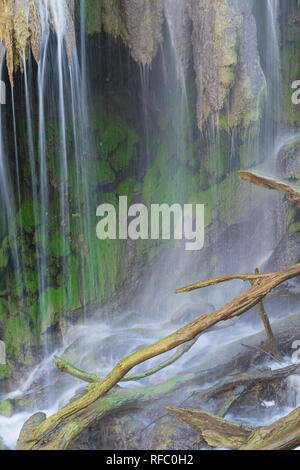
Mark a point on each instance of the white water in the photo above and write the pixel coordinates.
(72, 101)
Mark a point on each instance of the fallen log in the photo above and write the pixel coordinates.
(268, 182)
(137, 398)
(234, 397)
(283, 434)
(216, 431)
(239, 305)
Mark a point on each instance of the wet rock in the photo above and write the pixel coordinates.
(170, 434)
(116, 347)
(288, 161)
(286, 253)
(122, 432)
(6, 408)
(28, 427)
(144, 20)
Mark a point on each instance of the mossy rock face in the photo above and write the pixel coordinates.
(52, 303)
(28, 428)
(4, 252)
(290, 60)
(26, 217)
(294, 228)
(59, 246)
(170, 434)
(17, 334)
(6, 408)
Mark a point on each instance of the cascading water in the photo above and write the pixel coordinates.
(63, 138)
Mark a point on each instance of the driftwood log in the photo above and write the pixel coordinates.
(268, 182)
(262, 285)
(60, 429)
(137, 398)
(283, 434)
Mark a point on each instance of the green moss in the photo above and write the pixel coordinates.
(122, 156)
(16, 334)
(99, 173)
(6, 408)
(59, 246)
(3, 310)
(4, 371)
(52, 303)
(26, 216)
(294, 228)
(128, 187)
(290, 58)
(217, 161)
(73, 286)
(104, 15)
(4, 252)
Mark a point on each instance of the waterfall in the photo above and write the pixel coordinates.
(66, 99)
(8, 219)
(62, 161)
(272, 121)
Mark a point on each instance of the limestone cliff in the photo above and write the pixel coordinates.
(217, 36)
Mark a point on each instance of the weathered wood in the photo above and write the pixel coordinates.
(283, 434)
(216, 431)
(220, 280)
(236, 394)
(248, 380)
(265, 319)
(119, 401)
(236, 307)
(70, 369)
(268, 182)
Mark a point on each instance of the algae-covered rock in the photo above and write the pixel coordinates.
(6, 408)
(28, 428)
(169, 434)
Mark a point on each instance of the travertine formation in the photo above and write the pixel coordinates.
(217, 37)
(21, 25)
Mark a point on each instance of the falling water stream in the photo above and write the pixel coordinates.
(59, 93)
